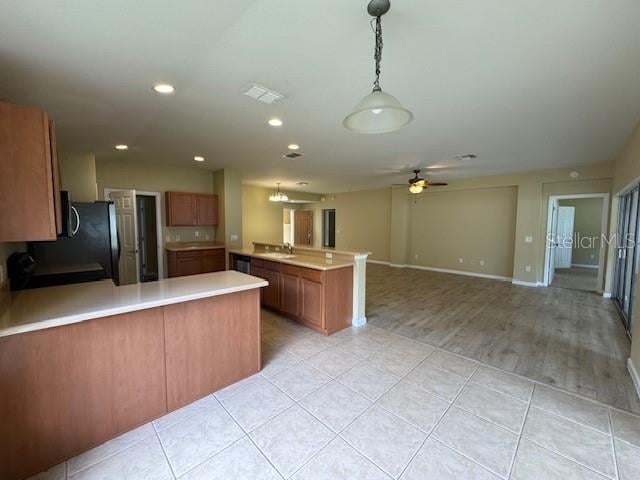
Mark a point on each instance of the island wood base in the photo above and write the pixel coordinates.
(67, 389)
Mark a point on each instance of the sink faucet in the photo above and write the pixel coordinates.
(289, 248)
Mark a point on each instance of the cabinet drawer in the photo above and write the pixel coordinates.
(312, 274)
(273, 266)
(189, 254)
(291, 270)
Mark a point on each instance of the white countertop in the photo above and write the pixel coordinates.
(39, 308)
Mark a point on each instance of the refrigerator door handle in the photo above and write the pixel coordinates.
(75, 211)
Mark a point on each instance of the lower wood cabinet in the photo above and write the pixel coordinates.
(67, 389)
(193, 262)
(319, 299)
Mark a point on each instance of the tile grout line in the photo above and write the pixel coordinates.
(166, 457)
(246, 435)
(435, 438)
(480, 362)
(613, 446)
(524, 421)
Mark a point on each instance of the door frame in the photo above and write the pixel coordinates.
(158, 197)
(603, 230)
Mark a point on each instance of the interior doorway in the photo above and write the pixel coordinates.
(303, 227)
(329, 228)
(288, 221)
(575, 246)
(137, 243)
(147, 238)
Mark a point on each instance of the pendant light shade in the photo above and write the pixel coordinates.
(378, 112)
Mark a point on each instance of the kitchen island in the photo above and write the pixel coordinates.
(323, 289)
(81, 364)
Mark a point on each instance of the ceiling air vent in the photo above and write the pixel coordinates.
(292, 155)
(262, 94)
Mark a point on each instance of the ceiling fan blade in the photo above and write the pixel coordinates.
(436, 184)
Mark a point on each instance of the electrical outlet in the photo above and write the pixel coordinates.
(267, 248)
(328, 255)
(527, 268)
(482, 263)
(461, 260)
(197, 233)
(528, 239)
(234, 237)
(415, 255)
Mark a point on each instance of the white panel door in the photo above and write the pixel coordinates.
(125, 202)
(566, 216)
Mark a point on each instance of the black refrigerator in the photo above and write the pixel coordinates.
(90, 253)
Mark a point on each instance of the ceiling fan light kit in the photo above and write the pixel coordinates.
(378, 112)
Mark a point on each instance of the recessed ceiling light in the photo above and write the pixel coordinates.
(574, 174)
(198, 158)
(275, 122)
(302, 184)
(164, 88)
(121, 147)
(294, 146)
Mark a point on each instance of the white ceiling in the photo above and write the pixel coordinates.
(523, 84)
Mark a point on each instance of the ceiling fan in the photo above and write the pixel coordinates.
(418, 184)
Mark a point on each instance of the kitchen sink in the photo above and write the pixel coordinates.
(277, 255)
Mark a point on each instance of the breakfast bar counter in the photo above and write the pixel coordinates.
(81, 364)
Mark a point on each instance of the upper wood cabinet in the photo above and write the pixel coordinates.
(29, 182)
(191, 209)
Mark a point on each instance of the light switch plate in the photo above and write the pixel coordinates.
(528, 239)
(234, 237)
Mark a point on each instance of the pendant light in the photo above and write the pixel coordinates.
(378, 112)
(278, 196)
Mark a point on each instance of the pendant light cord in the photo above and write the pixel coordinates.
(377, 54)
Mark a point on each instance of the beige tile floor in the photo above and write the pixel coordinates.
(367, 404)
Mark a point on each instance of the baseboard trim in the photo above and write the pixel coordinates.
(378, 262)
(607, 295)
(525, 284)
(634, 375)
(397, 265)
(584, 265)
(460, 272)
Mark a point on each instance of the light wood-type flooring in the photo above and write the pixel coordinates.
(571, 339)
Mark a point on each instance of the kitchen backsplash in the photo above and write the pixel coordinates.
(189, 234)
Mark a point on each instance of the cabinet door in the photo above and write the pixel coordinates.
(290, 294)
(207, 209)
(271, 295)
(213, 261)
(27, 206)
(55, 173)
(311, 295)
(188, 265)
(181, 209)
